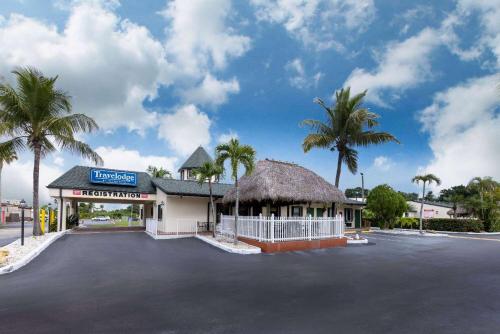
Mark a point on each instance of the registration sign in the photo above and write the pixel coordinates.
(115, 177)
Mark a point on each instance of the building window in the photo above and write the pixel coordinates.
(160, 212)
(310, 212)
(319, 212)
(348, 214)
(296, 211)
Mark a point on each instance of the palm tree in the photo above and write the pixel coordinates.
(482, 186)
(348, 125)
(428, 178)
(236, 154)
(206, 173)
(37, 116)
(160, 172)
(6, 157)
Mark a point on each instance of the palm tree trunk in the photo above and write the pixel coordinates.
(36, 178)
(237, 210)
(212, 205)
(339, 168)
(422, 208)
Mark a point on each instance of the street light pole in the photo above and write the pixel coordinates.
(22, 204)
(362, 199)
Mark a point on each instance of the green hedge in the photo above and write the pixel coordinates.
(455, 225)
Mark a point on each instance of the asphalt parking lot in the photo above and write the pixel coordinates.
(128, 282)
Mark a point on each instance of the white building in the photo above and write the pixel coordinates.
(430, 210)
(182, 206)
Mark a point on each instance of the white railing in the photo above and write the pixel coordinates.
(273, 229)
(152, 226)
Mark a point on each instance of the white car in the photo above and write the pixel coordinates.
(101, 218)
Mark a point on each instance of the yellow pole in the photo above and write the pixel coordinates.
(42, 220)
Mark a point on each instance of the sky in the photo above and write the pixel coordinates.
(163, 77)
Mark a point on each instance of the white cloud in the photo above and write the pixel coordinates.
(211, 91)
(185, 129)
(463, 123)
(489, 17)
(127, 159)
(382, 163)
(199, 43)
(315, 22)
(225, 137)
(17, 179)
(407, 64)
(298, 76)
(402, 65)
(108, 65)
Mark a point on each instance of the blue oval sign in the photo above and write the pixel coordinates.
(116, 177)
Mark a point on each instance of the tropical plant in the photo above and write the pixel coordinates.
(348, 125)
(386, 205)
(485, 200)
(159, 172)
(206, 173)
(6, 157)
(37, 116)
(425, 179)
(236, 154)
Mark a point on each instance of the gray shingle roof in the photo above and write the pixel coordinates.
(78, 178)
(198, 158)
(190, 188)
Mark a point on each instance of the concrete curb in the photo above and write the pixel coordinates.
(229, 249)
(31, 255)
(417, 234)
(357, 241)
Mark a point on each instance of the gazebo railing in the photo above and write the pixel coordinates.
(275, 229)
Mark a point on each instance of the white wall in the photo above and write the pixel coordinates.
(181, 213)
(430, 211)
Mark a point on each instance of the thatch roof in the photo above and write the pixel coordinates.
(278, 181)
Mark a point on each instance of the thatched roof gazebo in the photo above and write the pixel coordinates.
(283, 182)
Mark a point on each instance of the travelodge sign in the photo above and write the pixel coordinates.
(115, 177)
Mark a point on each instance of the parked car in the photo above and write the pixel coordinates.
(101, 218)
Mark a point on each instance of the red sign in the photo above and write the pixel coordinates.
(144, 195)
(77, 192)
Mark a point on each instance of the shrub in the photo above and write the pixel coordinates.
(495, 226)
(408, 222)
(386, 204)
(72, 221)
(455, 225)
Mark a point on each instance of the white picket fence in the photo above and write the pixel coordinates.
(152, 226)
(275, 229)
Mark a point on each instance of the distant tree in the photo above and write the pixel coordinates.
(347, 125)
(159, 172)
(386, 205)
(236, 154)
(430, 196)
(205, 174)
(485, 203)
(409, 196)
(355, 192)
(428, 178)
(445, 194)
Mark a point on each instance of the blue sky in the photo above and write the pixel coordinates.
(162, 77)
